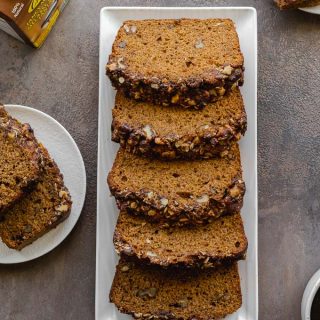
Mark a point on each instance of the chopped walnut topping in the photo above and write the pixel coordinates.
(62, 208)
(227, 70)
(199, 44)
(149, 132)
(203, 199)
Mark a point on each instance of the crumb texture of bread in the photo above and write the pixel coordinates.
(293, 4)
(220, 241)
(42, 209)
(177, 176)
(149, 292)
(20, 159)
(188, 62)
(175, 132)
(180, 192)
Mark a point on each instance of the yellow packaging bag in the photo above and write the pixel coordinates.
(30, 21)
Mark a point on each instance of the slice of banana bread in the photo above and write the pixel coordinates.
(20, 159)
(178, 191)
(292, 4)
(188, 62)
(173, 132)
(39, 211)
(223, 240)
(149, 292)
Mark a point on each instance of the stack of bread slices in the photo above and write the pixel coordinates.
(177, 177)
(33, 197)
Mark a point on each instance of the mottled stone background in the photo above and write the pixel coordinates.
(62, 80)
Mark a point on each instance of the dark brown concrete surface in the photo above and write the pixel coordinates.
(62, 80)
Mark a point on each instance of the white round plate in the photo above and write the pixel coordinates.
(308, 296)
(314, 10)
(65, 152)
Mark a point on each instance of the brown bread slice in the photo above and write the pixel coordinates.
(149, 292)
(173, 132)
(223, 240)
(292, 4)
(178, 191)
(188, 62)
(38, 212)
(20, 159)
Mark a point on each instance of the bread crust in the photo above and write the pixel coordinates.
(190, 93)
(139, 202)
(205, 143)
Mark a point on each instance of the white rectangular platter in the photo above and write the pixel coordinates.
(246, 23)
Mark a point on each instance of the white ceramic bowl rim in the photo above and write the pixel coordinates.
(314, 10)
(309, 294)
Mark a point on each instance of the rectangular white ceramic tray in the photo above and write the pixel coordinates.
(246, 23)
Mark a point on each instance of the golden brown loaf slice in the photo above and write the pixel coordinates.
(188, 62)
(178, 191)
(149, 292)
(174, 132)
(291, 4)
(20, 159)
(223, 240)
(39, 211)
